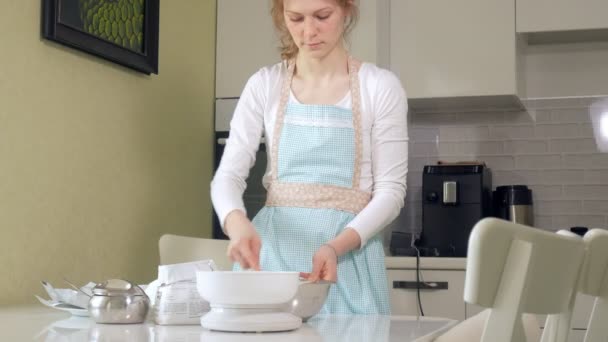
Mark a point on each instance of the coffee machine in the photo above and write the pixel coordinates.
(454, 198)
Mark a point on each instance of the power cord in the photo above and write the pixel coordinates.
(418, 275)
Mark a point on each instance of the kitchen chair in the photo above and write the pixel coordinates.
(514, 269)
(594, 282)
(176, 249)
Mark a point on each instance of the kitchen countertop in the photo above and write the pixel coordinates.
(427, 263)
(36, 323)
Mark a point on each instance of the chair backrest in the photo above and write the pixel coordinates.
(557, 325)
(594, 282)
(177, 249)
(514, 269)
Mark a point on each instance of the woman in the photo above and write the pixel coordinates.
(336, 134)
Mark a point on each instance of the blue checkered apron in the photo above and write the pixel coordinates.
(313, 196)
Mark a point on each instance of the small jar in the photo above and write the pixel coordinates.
(118, 301)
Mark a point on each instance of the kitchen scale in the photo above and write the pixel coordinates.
(249, 301)
(250, 318)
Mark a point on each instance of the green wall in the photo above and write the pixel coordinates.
(98, 161)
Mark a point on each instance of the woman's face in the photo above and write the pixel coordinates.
(316, 26)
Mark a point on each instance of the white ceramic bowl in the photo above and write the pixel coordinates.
(247, 288)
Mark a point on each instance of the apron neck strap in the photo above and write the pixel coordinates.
(353, 72)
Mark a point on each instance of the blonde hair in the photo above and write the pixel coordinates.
(288, 47)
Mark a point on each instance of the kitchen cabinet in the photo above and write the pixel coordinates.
(561, 15)
(566, 47)
(450, 54)
(246, 41)
(447, 303)
(445, 274)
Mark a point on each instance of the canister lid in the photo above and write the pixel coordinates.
(514, 194)
(117, 287)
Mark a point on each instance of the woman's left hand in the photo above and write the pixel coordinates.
(324, 265)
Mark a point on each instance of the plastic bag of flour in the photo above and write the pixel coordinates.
(177, 300)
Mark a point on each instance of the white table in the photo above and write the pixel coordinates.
(37, 323)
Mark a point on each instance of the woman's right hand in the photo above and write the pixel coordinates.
(245, 243)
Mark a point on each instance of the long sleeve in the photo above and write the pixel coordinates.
(389, 145)
(246, 129)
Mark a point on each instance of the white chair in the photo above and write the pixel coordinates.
(594, 282)
(176, 249)
(514, 269)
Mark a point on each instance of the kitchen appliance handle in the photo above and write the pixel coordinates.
(222, 141)
(423, 285)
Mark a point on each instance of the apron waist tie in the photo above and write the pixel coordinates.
(316, 196)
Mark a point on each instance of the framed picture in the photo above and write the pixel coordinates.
(121, 31)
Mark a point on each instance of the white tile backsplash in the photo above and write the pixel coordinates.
(590, 221)
(585, 130)
(538, 161)
(592, 192)
(556, 130)
(589, 161)
(572, 115)
(595, 207)
(559, 207)
(546, 192)
(509, 132)
(471, 148)
(550, 147)
(458, 133)
(510, 177)
(576, 145)
(422, 134)
(596, 177)
(526, 146)
(558, 177)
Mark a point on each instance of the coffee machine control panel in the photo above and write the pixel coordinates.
(450, 192)
(449, 195)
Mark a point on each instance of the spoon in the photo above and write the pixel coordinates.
(76, 287)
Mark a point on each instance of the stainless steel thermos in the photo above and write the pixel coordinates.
(514, 203)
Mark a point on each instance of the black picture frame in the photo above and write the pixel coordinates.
(142, 57)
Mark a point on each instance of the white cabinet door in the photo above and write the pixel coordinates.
(446, 303)
(454, 48)
(246, 41)
(369, 39)
(561, 15)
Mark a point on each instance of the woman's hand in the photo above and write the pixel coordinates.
(325, 260)
(245, 243)
(324, 265)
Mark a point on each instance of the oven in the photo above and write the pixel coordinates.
(255, 194)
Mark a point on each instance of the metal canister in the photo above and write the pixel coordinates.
(514, 203)
(118, 301)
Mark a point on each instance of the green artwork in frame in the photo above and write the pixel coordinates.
(122, 31)
(118, 21)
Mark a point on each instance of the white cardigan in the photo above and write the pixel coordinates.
(385, 144)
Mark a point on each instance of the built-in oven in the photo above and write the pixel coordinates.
(255, 194)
